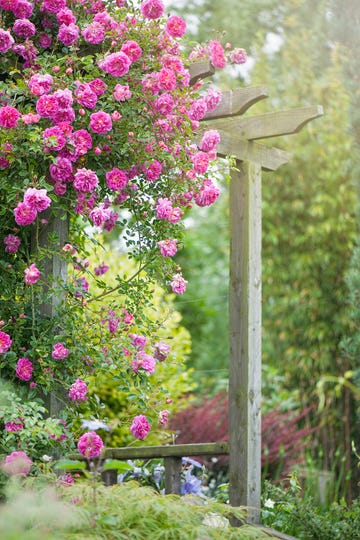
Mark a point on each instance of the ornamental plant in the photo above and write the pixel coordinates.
(97, 115)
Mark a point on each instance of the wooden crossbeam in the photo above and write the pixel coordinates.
(236, 102)
(269, 158)
(200, 70)
(272, 124)
(173, 450)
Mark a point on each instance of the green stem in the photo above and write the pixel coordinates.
(110, 291)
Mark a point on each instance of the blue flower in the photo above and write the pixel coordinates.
(192, 484)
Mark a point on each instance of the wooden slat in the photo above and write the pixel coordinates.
(269, 158)
(200, 70)
(176, 450)
(245, 339)
(236, 102)
(271, 124)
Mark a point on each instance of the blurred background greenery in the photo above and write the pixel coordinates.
(306, 53)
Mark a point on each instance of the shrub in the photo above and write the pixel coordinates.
(287, 509)
(283, 441)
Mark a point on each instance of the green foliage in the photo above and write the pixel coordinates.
(131, 511)
(31, 514)
(309, 232)
(309, 223)
(119, 389)
(286, 509)
(38, 434)
(122, 511)
(205, 308)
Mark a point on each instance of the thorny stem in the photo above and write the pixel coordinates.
(110, 291)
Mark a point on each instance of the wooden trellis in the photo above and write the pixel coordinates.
(238, 139)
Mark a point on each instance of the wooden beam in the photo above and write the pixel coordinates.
(235, 102)
(273, 124)
(245, 339)
(175, 450)
(200, 70)
(269, 158)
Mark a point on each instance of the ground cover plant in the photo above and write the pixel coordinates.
(287, 507)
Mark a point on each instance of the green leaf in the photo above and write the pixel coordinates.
(70, 465)
(116, 464)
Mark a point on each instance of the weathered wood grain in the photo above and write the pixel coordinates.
(269, 158)
(174, 450)
(55, 224)
(245, 339)
(173, 468)
(200, 70)
(236, 102)
(273, 124)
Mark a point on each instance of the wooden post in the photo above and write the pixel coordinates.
(173, 467)
(55, 268)
(245, 338)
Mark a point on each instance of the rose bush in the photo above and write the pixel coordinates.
(97, 115)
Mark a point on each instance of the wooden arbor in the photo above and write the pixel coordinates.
(238, 139)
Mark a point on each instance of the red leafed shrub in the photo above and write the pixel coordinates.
(283, 437)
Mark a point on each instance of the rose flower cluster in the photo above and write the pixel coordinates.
(97, 121)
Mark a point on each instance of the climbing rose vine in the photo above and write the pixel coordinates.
(97, 120)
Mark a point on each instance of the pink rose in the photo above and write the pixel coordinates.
(5, 342)
(24, 369)
(78, 391)
(37, 199)
(24, 28)
(59, 351)
(217, 55)
(85, 180)
(9, 117)
(100, 122)
(12, 243)
(90, 444)
(178, 284)
(140, 427)
(210, 140)
(6, 41)
(94, 33)
(208, 194)
(168, 247)
(24, 214)
(32, 274)
(116, 179)
(116, 64)
(152, 9)
(175, 26)
(17, 463)
(132, 50)
(201, 162)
